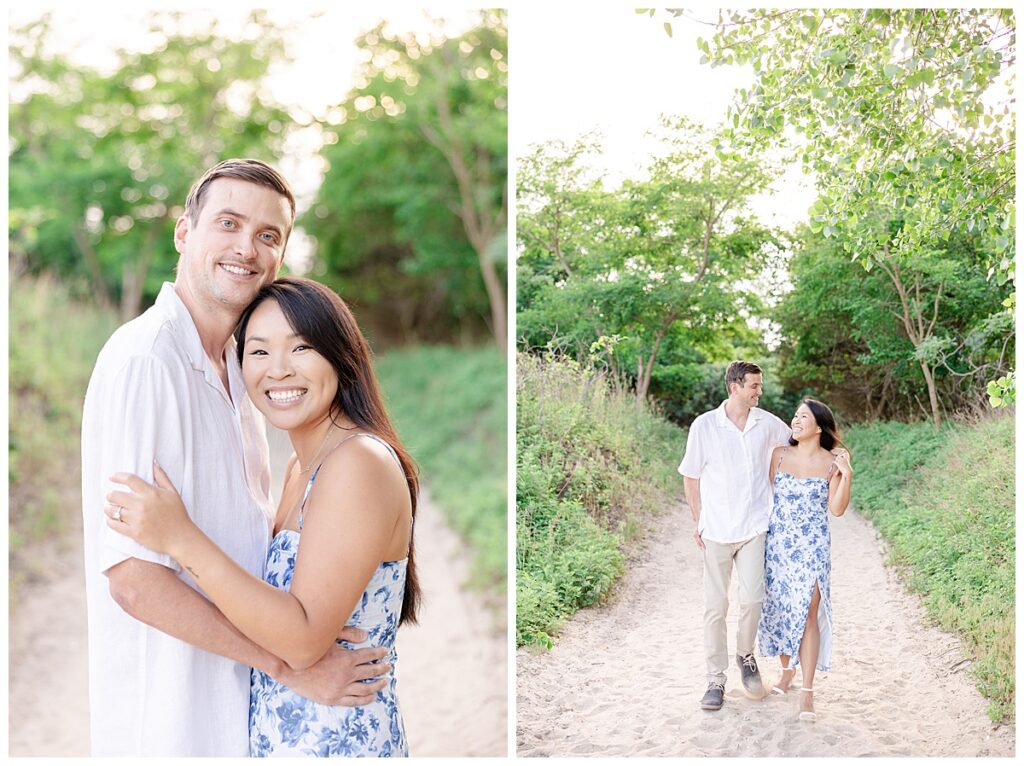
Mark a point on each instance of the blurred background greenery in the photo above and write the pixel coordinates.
(401, 185)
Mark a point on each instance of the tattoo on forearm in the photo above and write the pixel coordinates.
(192, 572)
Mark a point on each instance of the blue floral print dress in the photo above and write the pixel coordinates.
(797, 553)
(282, 723)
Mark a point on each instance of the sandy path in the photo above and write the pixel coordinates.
(626, 678)
(452, 667)
(48, 666)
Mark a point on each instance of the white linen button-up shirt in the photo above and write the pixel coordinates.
(732, 465)
(155, 394)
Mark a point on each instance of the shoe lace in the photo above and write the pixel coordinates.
(716, 686)
(750, 662)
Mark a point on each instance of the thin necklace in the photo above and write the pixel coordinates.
(307, 468)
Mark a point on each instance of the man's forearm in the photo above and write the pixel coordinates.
(153, 594)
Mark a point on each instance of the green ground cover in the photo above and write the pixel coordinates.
(944, 499)
(590, 467)
(53, 343)
(450, 407)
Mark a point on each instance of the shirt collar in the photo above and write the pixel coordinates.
(173, 308)
(723, 421)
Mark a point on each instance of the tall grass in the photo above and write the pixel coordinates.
(450, 408)
(590, 466)
(53, 344)
(945, 499)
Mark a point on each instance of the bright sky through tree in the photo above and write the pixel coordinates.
(615, 71)
(322, 44)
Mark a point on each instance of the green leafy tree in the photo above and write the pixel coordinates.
(556, 187)
(910, 111)
(100, 164)
(864, 340)
(414, 201)
(561, 206)
(659, 262)
(914, 106)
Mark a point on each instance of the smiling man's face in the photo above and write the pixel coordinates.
(749, 392)
(235, 245)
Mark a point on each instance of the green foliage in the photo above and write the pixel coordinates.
(54, 341)
(909, 110)
(589, 464)
(685, 391)
(945, 499)
(662, 264)
(906, 116)
(449, 405)
(100, 163)
(412, 211)
(1002, 392)
(844, 334)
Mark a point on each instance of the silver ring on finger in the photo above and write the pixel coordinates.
(116, 515)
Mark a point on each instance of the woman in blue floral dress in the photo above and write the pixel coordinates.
(811, 478)
(350, 500)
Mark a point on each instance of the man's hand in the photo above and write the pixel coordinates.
(697, 538)
(337, 677)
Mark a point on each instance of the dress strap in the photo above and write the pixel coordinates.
(312, 477)
(387, 446)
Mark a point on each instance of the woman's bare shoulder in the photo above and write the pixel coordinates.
(362, 466)
(824, 457)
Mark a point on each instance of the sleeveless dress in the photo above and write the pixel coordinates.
(282, 723)
(797, 553)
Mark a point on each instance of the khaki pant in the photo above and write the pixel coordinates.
(718, 561)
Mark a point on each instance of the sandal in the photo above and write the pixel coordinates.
(778, 689)
(807, 715)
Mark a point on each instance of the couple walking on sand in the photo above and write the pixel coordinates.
(760, 493)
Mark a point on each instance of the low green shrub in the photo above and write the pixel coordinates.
(944, 499)
(590, 462)
(687, 390)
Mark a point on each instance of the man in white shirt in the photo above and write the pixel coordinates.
(725, 477)
(169, 675)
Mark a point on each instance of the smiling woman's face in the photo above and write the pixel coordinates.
(290, 383)
(803, 424)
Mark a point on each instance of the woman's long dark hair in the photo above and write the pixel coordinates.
(323, 320)
(826, 422)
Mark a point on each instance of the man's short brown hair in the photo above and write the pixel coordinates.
(737, 371)
(253, 171)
